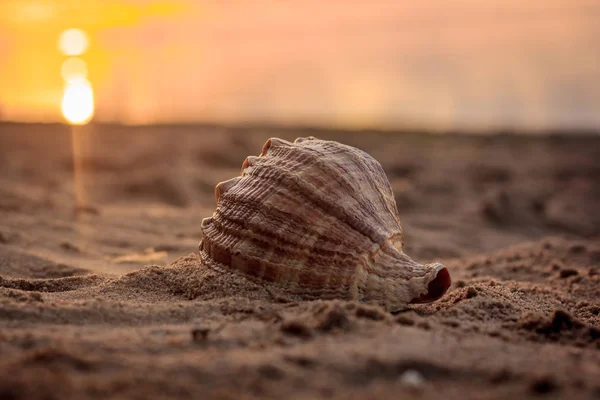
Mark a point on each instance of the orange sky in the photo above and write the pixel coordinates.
(383, 63)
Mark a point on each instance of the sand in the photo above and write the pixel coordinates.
(102, 294)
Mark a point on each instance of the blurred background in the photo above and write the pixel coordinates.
(180, 92)
(436, 65)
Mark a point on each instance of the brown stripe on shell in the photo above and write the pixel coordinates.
(343, 175)
(303, 282)
(258, 244)
(315, 194)
(244, 208)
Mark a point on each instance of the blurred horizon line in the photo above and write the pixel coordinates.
(314, 128)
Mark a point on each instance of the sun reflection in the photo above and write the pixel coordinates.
(73, 69)
(78, 102)
(73, 42)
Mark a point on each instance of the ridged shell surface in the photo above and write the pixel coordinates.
(317, 219)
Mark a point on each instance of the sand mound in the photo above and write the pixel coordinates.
(18, 264)
(185, 279)
(82, 315)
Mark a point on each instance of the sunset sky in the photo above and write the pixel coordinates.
(382, 63)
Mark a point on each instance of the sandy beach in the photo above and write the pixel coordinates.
(102, 294)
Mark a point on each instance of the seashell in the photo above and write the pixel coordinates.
(317, 219)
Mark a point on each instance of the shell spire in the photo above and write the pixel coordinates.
(317, 219)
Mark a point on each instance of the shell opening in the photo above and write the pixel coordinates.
(436, 288)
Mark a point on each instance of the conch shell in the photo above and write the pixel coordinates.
(317, 219)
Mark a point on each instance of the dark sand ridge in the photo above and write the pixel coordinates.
(513, 218)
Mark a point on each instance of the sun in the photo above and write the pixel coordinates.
(78, 102)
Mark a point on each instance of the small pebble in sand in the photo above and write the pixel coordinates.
(334, 318)
(86, 209)
(471, 292)
(555, 266)
(297, 328)
(405, 320)
(412, 378)
(424, 325)
(567, 272)
(544, 385)
(70, 247)
(200, 334)
(372, 313)
(577, 249)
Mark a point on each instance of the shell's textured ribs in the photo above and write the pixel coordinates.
(317, 219)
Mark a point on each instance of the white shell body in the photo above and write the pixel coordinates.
(317, 219)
